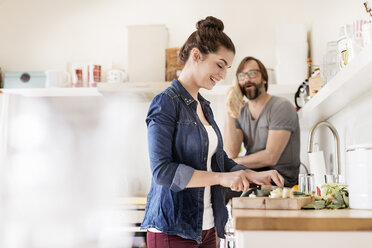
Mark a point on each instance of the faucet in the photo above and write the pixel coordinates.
(337, 142)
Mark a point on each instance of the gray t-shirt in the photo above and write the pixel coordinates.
(278, 114)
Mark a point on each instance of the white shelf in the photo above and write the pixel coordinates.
(150, 89)
(351, 82)
(143, 91)
(52, 92)
(146, 89)
(133, 87)
(274, 89)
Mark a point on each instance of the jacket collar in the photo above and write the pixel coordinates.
(185, 95)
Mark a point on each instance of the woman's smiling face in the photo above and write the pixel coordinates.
(212, 68)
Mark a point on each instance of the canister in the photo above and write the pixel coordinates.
(359, 175)
(24, 79)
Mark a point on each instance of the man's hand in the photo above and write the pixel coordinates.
(234, 99)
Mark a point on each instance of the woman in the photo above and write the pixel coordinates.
(185, 206)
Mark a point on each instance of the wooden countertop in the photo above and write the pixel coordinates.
(303, 220)
(132, 200)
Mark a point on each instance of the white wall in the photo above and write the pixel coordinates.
(353, 124)
(45, 34)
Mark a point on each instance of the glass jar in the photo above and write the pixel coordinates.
(367, 33)
(229, 240)
(330, 61)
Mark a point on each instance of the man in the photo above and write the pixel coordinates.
(268, 125)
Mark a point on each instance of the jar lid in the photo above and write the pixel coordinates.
(359, 147)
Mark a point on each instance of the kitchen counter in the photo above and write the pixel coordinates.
(303, 220)
(303, 228)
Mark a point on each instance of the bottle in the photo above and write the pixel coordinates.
(309, 67)
(229, 240)
(344, 51)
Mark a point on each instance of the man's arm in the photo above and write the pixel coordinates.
(232, 137)
(277, 140)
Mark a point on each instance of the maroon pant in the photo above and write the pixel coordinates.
(163, 240)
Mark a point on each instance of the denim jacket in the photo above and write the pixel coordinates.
(178, 145)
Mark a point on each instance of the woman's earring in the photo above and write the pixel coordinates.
(197, 57)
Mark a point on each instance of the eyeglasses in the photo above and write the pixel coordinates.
(251, 74)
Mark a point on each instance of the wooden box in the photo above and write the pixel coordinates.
(315, 85)
(173, 64)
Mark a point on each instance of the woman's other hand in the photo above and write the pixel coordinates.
(265, 177)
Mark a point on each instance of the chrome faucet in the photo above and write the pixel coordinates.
(337, 168)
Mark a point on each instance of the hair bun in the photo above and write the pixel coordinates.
(210, 22)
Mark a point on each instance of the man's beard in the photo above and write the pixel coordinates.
(252, 94)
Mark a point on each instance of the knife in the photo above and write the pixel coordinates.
(259, 190)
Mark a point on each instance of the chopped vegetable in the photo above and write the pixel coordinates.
(316, 205)
(298, 193)
(262, 192)
(295, 188)
(286, 193)
(334, 196)
(276, 193)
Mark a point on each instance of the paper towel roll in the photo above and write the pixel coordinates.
(291, 63)
(317, 167)
(291, 33)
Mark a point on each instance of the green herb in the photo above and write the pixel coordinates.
(298, 193)
(315, 205)
(334, 196)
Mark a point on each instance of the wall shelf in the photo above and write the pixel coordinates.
(145, 89)
(52, 92)
(274, 89)
(133, 87)
(148, 89)
(353, 81)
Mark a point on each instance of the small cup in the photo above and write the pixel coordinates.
(306, 183)
(94, 75)
(116, 76)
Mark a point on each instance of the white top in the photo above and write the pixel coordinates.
(208, 219)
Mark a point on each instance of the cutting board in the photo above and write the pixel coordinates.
(271, 203)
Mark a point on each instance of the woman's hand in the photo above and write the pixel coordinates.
(265, 177)
(237, 180)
